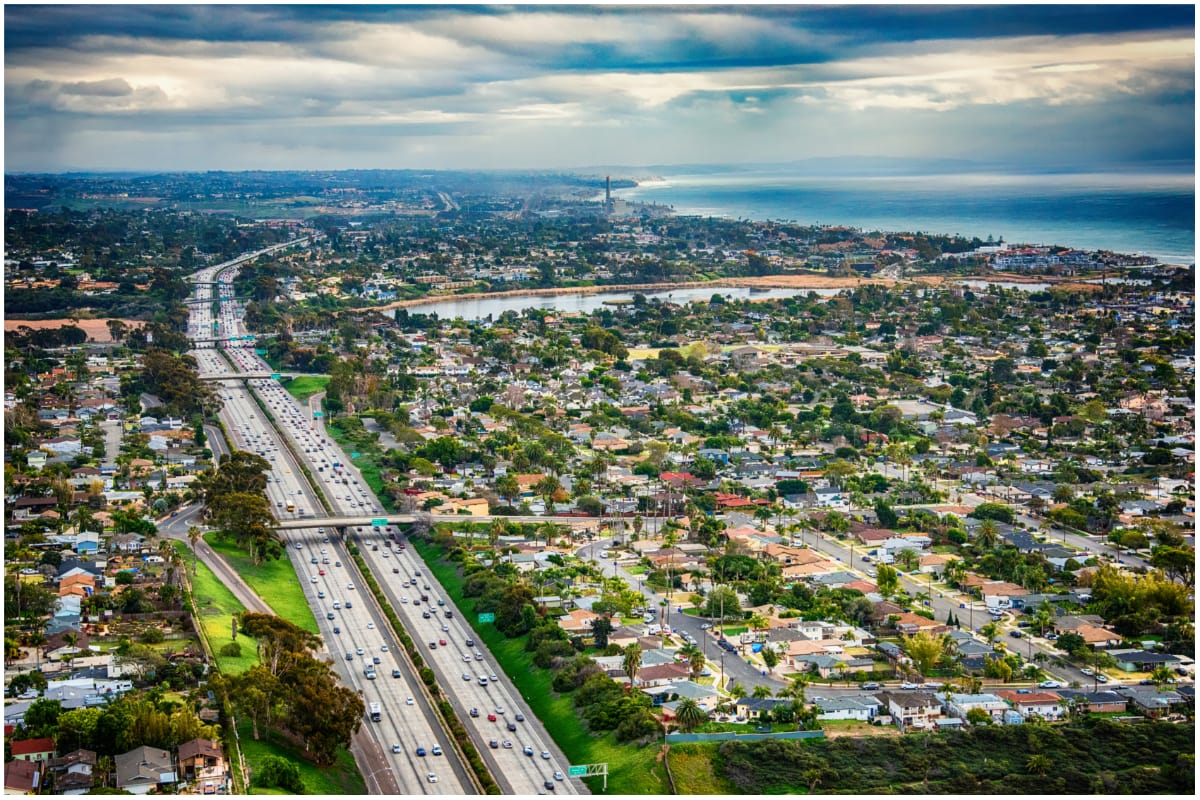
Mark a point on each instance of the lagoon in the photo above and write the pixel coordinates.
(467, 307)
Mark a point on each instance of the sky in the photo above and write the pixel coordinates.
(186, 87)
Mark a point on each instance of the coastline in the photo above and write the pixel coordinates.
(755, 282)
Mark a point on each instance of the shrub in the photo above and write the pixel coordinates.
(274, 771)
(231, 650)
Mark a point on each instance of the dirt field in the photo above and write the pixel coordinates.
(96, 329)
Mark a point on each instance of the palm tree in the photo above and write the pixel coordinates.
(1038, 764)
(631, 662)
(988, 534)
(761, 691)
(1161, 675)
(193, 536)
(1043, 617)
(36, 640)
(689, 715)
(695, 657)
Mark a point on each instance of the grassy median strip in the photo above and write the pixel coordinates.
(631, 769)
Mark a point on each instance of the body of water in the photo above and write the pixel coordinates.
(1151, 214)
(481, 307)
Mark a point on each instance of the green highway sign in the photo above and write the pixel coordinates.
(487, 616)
(354, 455)
(275, 376)
(260, 352)
(577, 772)
(317, 415)
(379, 521)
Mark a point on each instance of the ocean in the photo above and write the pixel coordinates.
(1151, 213)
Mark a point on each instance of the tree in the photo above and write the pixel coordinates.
(631, 662)
(761, 691)
(689, 715)
(925, 650)
(886, 516)
(977, 716)
(695, 659)
(909, 558)
(1038, 764)
(275, 772)
(601, 628)
(193, 536)
(887, 579)
(722, 603)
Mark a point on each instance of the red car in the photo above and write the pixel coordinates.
(442, 642)
(320, 572)
(491, 717)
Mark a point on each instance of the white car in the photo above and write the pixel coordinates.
(408, 701)
(1050, 685)
(432, 777)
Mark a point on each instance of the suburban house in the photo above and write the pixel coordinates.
(145, 768)
(72, 773)
(1098, 702)
(858, 708)
(32, 749)
(201, 761)
(912, 710)
(1046, 705)
(22, 777)
(958, 705)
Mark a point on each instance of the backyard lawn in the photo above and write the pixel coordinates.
(632, 770)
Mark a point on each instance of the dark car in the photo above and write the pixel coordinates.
(512, 726)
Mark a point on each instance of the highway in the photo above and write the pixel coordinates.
(533, 764)
(388, 749)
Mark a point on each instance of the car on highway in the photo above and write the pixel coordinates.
(527, 750)
(520, 717)
(431, 777)
(437, 750)
(408, 701)
(395, 673)
(491, 717)
(558, 776)
(421, 751)
(546, 755)
(507, 744)
(474, 712)
(548, 784)
(492, 743)
(395, 748)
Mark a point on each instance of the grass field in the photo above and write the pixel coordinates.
(692, 770)
(305, 386)
(340, 779)
(216, 606)
(274, 581)
(632, 770)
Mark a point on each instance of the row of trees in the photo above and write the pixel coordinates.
(291, 690)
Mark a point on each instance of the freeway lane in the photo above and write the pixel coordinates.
(385, 750)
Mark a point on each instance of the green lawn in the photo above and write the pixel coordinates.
(340, 779)
(632, 770)
(216, 606)
(305, 386)
(274, 581)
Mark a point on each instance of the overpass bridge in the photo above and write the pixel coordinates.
(245, 376)
(407, 519)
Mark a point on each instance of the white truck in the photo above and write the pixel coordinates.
(368, 669)
(376, 711)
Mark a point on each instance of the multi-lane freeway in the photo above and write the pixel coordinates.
(408, 752)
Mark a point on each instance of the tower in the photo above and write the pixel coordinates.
(607, 194)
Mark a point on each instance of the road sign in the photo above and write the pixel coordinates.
(577, 772)
(275, 376)
(354, 455)
(379, 522)
(260, 352)
(318, 414)
(488, 616)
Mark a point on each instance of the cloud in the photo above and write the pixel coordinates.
(534, 85)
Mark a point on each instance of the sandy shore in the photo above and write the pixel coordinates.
(96, 329)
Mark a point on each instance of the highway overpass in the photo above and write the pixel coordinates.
(408, 519)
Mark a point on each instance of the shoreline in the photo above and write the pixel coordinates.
(746, 282)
